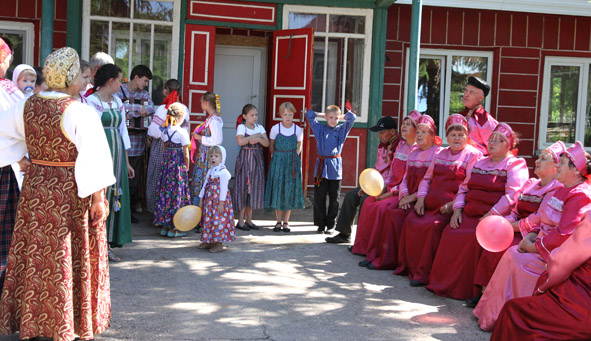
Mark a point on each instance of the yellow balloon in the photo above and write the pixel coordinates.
(371, 182)
(187, 218)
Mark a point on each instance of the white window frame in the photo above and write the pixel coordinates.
(29, 37)
(175, 24)
(367, 36)
(583, 64)
(446, 78)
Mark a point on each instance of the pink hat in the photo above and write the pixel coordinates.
(556, 149)
(456, 119)
(576, 155)
(428, 121)
(504, 130)
(414, 116)
(4, 50)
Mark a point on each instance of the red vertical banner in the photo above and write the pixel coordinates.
(198, 64)
(291, 80)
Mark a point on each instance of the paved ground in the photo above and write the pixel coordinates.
(268, 285)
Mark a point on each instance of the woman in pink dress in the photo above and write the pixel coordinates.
(530, 197)
(372, 205)
(491, 188)
(423, 226)
(557, 217)
(559, 309)
(382, 247)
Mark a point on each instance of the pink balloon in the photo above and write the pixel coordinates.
(494, 233)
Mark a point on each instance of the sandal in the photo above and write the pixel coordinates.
(112, 256)
(252, 226)
(286, 227)
(277, 227)
(204, 246)
(219, 247)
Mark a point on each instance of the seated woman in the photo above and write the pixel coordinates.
(371, 206)
(422, 228)
(559, 309)
(382, 247)
(490, 188)
(521, 265)
(530, 197)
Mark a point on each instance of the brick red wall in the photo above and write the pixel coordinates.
(519, 42)
(30, 11)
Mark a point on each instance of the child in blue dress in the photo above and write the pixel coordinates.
(284, 190)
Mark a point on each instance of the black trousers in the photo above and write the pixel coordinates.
(349, 209)
(324, 217)
(135, 184)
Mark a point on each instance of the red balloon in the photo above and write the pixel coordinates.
(494, 233)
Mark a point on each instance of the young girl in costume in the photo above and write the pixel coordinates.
(284, 190)
(217, 217)
(174, 180)
(24, 78)
(208, 134)
(249, 187)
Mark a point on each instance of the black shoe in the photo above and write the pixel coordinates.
(471, 303)
(364, 263)
(242, 227)
(371, 267)
(252, 226)
(286, 228)
(198, 229)
(328, 231)
(134, 220)
(339, 238)
(277, 227)
(417, 283)
(350, 248)
(320, 229)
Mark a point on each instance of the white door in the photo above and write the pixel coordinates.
(239, 79)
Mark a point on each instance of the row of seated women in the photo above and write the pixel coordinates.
(424, 225)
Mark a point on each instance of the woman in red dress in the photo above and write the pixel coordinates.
(423, 226)
(491, 188)
(561, 306)
(382, 247)
(372, 206)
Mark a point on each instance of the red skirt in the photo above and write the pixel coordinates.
(488, 263)
(454, 266)
(368, 220)
(382, 247)
(418, 244)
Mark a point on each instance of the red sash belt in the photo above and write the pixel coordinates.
(321, 166)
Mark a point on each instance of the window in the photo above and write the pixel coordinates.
(443, 75)
(566, 101)
(22, 37)
(135, 32)
(342, 50)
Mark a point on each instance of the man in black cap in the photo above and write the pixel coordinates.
(481, 123)
(389, 138)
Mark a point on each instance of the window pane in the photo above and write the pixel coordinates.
(429, 88)
(16, 38)
(335, 68)
(588, 113)
(562, 109)
(99, 37)
(347, 24)
(141, 44)
(301, 20)
(155, 10)
(461, 69)
(120, 48)
(354, 77)
(110, 8)
(318, 74)
(161, 60)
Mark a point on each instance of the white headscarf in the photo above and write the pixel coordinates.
(17, 71)
(214, 172)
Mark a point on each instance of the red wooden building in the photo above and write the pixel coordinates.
(535, 54)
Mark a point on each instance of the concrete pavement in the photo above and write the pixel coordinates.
(267, 285)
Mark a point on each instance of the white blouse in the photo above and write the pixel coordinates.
(225, 177)
(215, 124)
(94, 168)
(100, 106)
(159, 118)
(286, 131)
(181, 136)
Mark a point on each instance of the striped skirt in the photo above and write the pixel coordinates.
(249, 186)
(9, 194)
(154, 171)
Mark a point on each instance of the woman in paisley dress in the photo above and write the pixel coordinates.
(60, 207)
(109, 108)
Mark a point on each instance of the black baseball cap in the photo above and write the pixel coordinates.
(480, 84)
(386, 122)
